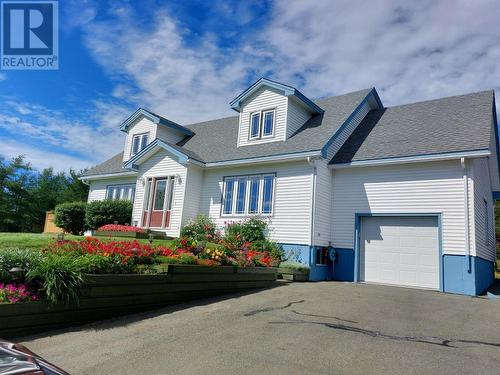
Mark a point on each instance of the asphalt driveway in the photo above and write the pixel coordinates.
(307, 328)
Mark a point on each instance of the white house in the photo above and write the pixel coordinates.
(404, 194)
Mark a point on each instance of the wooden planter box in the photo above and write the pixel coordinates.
(106, 296)
(294, 274)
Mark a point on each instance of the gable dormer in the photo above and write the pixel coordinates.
(144, 126)
(271, 112)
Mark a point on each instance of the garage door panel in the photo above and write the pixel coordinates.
(400, 250)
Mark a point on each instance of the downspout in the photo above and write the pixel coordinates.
(311, 162)
(463, 162)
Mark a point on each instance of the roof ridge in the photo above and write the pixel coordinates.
(490, 91)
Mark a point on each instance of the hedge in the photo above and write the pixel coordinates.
(70, 216)
(99, 213)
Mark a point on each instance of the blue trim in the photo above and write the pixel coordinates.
(131, 163)
(156, 119)
(335, 135)
(495, 127)
(343, 268)
(496, 195)
(458, 280)
(415, 157)
(357, 225)
(287, 91)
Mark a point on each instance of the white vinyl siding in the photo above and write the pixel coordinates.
(483, 222)
(436, 187)
(290, 221)
(162, 165)
(262, 100)
(297, 116)
(323, 199)
(194, 186)
(97, 188)
(353, 123)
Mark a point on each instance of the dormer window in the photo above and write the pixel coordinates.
(262, 124)
(139, 142)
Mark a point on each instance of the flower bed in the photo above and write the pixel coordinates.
(12, 293)
(105, 296)
(120, 228)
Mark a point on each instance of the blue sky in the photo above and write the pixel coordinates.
(187, 59)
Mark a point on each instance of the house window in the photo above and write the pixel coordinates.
(268, 126)
(139, 142)
(247, 195)
(322, 256)
(262, 124)
(255, 125)
(123, 191)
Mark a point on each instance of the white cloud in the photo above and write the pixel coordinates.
(95, 136)
(410, 51)
(41, 158)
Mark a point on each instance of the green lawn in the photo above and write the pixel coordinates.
(40, 240)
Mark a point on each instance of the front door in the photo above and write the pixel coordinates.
(158, 202)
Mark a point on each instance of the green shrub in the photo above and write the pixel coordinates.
(99, 213)
(100, 264)
(251, 230)
(59, 277)
(9, 258)
(294, 266)
(275, 250)
(70, 216)
(201, 229)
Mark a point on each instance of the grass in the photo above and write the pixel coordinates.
(40, 240)
(497, 270)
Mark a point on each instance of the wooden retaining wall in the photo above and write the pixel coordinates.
(106, 296)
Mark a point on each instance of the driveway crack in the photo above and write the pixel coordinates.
(267, 309)
(432, 340)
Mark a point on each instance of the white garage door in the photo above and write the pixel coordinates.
(400, 251)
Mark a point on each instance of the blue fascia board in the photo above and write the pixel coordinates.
(495, 126)
(131, 163)
(423, 156)
(155, 119)
(348, 120)
(287, 91)
(357, 237)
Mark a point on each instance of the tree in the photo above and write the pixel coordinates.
(16, 181)
(26, 194)
(76, 190)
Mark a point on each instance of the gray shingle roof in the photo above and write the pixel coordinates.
(113, 165)
(452, 124)
(216, 140)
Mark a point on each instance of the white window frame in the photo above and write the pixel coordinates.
(262, 114)
(251, 125)
(117, 190)
(141, 136)
(247, 180)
